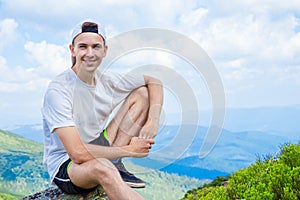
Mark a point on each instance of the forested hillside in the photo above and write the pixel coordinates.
(21, 169)
(274, 177)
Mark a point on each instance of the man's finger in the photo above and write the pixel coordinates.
(151, 141)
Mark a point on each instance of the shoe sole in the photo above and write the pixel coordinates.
(136, 185)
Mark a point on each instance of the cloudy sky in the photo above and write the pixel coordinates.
(254, 45)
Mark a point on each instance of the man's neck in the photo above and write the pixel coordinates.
(86, 76)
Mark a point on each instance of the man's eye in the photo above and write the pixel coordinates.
(98, 46)
(82, 46)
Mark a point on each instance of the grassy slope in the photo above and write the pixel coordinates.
(161, 185)
(22, 170)
(271, 177)
(11, 142)
(23, 173)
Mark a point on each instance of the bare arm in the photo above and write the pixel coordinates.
(155, 92)
(81, 152)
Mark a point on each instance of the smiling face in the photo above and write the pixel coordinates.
(89, 49)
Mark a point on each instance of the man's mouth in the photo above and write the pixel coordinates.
(88, 61)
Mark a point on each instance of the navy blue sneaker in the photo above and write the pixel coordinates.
(128, 177)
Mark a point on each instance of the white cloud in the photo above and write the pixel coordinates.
(19, 80)
(194, 18)
(29, 83)
(237, 71)
(235, 7)
(51, 59)
(253, 44)
(124, 15)
(10, 75)
(251, 28)
(21, 88)
(248, 36)
(8, 32)
(2, 63)
(287, 75)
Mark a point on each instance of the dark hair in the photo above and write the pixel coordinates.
(87, 27)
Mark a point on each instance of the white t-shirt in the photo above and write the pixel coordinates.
(71, 102)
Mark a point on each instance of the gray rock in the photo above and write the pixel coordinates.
(54, 193)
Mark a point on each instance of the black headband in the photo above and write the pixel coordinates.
(89, 29)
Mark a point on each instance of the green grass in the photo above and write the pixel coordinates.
(271, 177)
(10, 142)
(9, 196)
(22, 170)
(161, 185)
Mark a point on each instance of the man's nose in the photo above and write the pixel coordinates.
(89, 51)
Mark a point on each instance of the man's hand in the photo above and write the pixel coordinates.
(139, 147)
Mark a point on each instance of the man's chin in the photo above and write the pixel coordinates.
(91, 65)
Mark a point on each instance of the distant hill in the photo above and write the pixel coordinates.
(29, 131)
(276, 120)
(22, 172)
(283, 120)
(232, 151)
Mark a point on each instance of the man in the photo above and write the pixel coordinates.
(79, 150)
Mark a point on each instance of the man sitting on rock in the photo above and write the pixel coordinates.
(81, 152)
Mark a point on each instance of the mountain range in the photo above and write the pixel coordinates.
(253, 132)
(232, 151)
(280, 120)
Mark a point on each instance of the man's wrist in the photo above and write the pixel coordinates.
(126, 151)
(155, 110)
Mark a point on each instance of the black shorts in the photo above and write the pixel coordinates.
(62, 179)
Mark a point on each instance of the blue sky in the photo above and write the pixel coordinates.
(254, 44)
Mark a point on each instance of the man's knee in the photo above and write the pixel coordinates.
(105, 170)
(141, 94)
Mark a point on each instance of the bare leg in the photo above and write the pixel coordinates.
(102, 171)
(130, 118)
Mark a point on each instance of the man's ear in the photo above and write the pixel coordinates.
(71, 47)
(105, 50)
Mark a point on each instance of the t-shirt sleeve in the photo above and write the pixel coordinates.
(57, 109)
(119, 86)
(124, 83)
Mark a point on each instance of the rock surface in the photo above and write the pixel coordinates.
(54, 193)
